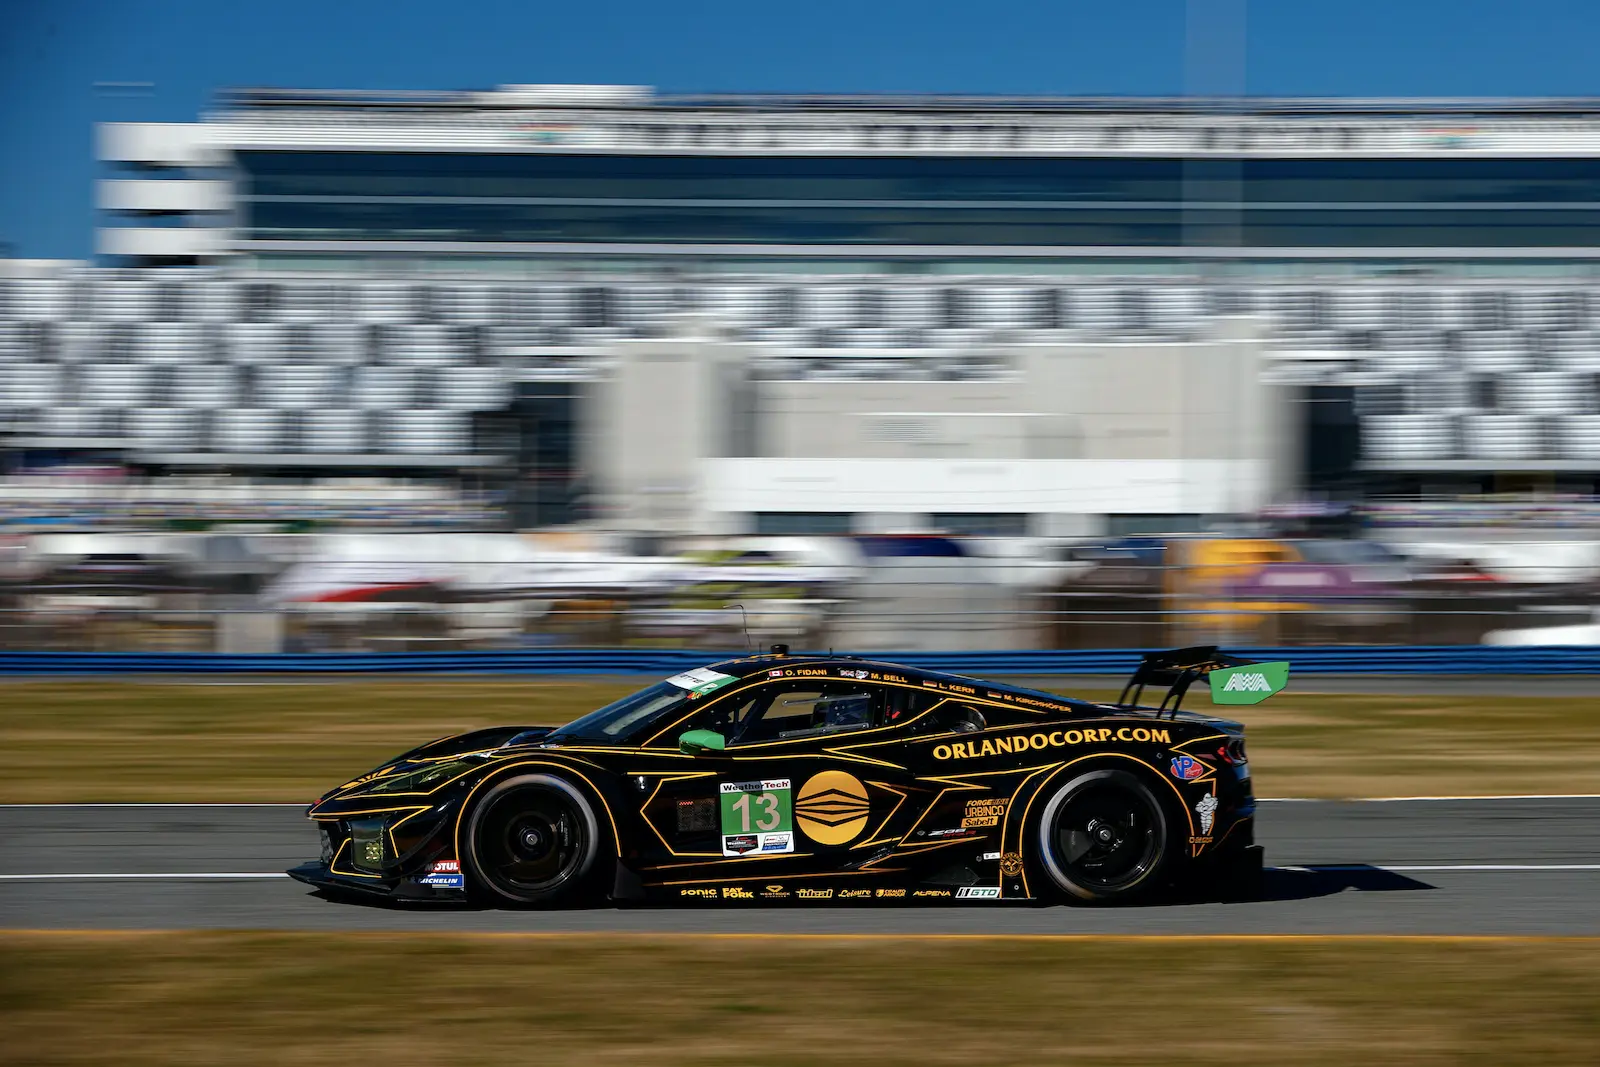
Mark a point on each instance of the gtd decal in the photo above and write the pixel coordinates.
(1053, 739)
(978, 892)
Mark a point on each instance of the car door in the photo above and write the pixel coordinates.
(776, 802)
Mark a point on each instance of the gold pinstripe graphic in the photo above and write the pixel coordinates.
(466, 803)
(1022, 826)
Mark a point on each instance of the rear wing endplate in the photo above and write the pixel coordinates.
(1234, 679)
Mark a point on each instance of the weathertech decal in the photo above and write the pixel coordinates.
(756, 815)
(1053, 739)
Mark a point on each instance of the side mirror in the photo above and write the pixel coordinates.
(699, 742)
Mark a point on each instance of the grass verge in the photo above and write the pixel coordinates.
(248, 999)
(122, 741)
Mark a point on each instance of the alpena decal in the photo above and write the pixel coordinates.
(992, 746)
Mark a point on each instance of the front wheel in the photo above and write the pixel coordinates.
(531, 840)
(1103, 836)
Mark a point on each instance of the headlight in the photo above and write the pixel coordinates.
(366, 843)
(421, 781)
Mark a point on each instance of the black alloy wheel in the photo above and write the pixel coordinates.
(1103, 836)
(532, 840)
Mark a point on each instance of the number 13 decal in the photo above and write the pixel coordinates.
(769, 818)
(757, 817)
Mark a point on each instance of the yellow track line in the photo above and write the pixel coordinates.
(597, 935)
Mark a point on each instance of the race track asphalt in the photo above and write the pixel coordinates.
(1482, 866)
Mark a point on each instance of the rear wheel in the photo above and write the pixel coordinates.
(1103, 836)
(532, 840)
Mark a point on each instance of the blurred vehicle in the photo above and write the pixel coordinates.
(817, 779)
(1153, 591)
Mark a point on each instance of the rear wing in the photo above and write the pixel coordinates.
(1234, 679)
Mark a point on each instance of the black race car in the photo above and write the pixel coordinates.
(818, 778)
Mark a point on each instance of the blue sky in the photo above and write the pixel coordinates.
(53, 52)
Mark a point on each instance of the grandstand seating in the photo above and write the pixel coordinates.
(228, 361)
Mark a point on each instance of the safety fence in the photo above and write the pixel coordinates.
(1351, 659)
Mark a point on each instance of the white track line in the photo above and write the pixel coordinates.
(143, 877)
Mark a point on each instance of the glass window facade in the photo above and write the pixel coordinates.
(922, 201)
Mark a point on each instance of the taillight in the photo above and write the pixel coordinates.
(1232, 752)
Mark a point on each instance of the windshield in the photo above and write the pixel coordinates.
(620, 718)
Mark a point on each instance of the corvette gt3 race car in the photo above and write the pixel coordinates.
(819, 778)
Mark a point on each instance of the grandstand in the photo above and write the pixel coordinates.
(447, 286)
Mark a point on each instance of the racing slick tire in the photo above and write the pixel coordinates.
(531, 841)
(1103, 837)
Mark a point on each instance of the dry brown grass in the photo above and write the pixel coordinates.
(256, 999)
(122, 741)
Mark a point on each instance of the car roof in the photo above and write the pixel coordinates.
(747, 666)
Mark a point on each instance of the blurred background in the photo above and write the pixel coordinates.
(535, 365)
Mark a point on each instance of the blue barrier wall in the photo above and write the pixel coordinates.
(1371, 659)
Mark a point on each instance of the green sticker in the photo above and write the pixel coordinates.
(1250, 684)
(757, 817)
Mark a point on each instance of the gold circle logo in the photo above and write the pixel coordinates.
(832, 808)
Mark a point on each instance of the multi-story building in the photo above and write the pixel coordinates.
(818, 313)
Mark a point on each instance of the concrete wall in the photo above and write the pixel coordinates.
(684, 440)
(891, 420)
(651, 425)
